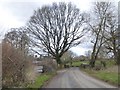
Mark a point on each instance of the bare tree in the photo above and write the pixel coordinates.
(118, 54)
(67, 56)
(13, 65)
(88, 54)
(102, 11)
(111, 35)
(18, 39)
(56, 28)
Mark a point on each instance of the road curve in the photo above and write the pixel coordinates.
(74, 78)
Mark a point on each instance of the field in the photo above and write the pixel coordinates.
(109, 63)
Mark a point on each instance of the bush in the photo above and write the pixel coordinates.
(14, 65)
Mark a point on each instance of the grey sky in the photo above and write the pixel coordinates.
(16, 13)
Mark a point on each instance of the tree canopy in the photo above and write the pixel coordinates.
(56, 28)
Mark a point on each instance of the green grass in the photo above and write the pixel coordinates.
(78, 63)
(40, 80)
(109, 77)
(109, 63)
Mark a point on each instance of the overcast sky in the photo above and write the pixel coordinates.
(16, 13)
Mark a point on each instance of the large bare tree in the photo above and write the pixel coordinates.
(56, 28)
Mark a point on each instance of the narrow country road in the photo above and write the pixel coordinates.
(74, 78)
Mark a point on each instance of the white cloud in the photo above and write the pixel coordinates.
(16, 13)
(80, 50)
(7, 19)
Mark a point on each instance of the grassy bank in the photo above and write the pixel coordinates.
(107, 76)
(41, 80)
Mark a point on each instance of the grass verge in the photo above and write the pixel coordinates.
(41, 80)
(110, 77)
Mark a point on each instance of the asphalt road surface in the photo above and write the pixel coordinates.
(74, 78)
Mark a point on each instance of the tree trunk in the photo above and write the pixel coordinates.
(58, 60)
(115, 57)
(115, 51)
(92, 61)
(118, 57)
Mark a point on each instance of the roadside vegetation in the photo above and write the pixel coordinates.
(18, 69)
(41, 80)
(105, 75)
